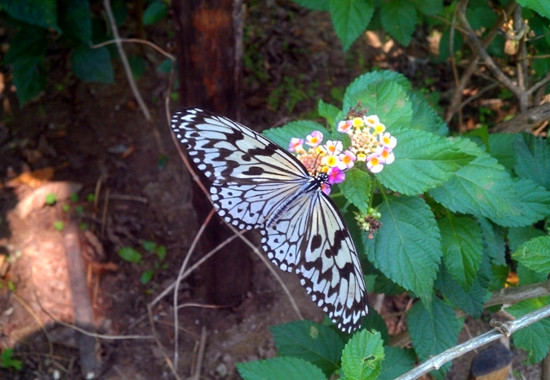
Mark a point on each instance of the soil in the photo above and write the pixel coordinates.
(132, 187)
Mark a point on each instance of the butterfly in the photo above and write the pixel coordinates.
(255, 184)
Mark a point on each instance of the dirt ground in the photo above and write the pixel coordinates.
(131, 186)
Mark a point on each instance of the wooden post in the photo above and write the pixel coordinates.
(209, 53)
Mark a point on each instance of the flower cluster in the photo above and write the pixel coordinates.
(369, 141)
(369, 221)
(329, 158)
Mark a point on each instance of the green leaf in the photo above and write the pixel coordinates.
(155, 12)
(432, 333)
(429, 7)
(59, 225)
(7, 360)
(397, 361)
(299, 129)
(356, 188)
(316, 5)
(480, 15)
(138, 66)
(422, 162)
(328, 111)
(147, 276)
(29, 78)
(50, 199)
(533, 202)
(471, 301)
(518, 236)
(29, 42)
(42, 13)
(407, 248)
(533, 338)
(129, 254)
(382, 93)
(350, 19)
(278, 369)
(425, 118)
(533, 159)
(493, 241)
(93, 65)
(148, 245)
(540, 6)
(482, 187)
(315, 343)
(75, 20)
(535, 254)
(462, 248)
(501, 146)
(399, 18)
(161, 252)
(362, 356)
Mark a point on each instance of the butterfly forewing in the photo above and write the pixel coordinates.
(257, 184)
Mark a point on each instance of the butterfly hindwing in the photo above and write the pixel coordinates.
(311, 239)
(257, 184)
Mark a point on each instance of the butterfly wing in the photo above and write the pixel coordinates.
(257, 184)
(251, 177)
(312, 236)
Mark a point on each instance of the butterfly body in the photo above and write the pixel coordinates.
(255, 184)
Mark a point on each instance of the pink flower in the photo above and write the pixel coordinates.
(295, 144)
(347, 160)
(387, 140)
(335, 175)
(314, 139)
(345, 126)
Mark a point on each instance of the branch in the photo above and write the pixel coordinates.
(525, 120)
(124, 59)
(505, 329)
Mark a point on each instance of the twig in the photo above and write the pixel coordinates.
(519, 293)
(124, 59)
(200, 355)
(178, 280)
(136, 41)
(506, 329)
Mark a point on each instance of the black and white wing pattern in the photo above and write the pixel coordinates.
(255, 184)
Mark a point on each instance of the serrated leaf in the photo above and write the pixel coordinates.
(397, 361)
(518, 236)
(407, 248)
(381, 93)
(278, 369)
(362, 356)
(328, 111)
(533, 202)
(482, 187)
(156, 11)
(356, 188)
(375, 322)
(462, 248)
(315, 343)
(501, 146)
(533, 159)
(422, 162)
(432, 333)
(533, 338)
(42, 13)
(493, 241)
(471, 302)
(75, 20)
(535, 254)
(425, 118)
(350, 19)
(399, 18)
(93, 65)
(299, 129)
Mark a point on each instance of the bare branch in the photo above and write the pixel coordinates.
(507, 328)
